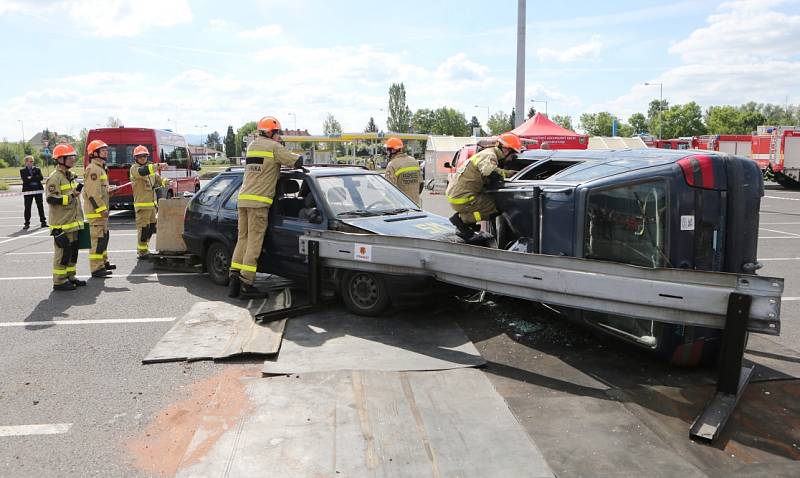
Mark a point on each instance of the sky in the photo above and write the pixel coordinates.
(203, 65)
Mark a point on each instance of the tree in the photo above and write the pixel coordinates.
(563, 121)
(331, 125)
(423, 121)
(450, 122)
(723, 120)
(682, 120)
(230, 143)
(512, 120)
(371, 126)
(474, 123)
(399, 119)
(531, 112)
(241, 135)
(656, 106)
(80, 147)
(598, 124)
(638, 122)
(113, 122)
(498, 123)
(625, 130)
(213, 140)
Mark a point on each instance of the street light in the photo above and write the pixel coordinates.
(660, 104)
(22, 126)
(487, 115)
(294, 116)
(201, 133)
(545, 105)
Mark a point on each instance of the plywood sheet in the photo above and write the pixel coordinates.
(169, 234)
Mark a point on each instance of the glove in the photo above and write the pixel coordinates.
(495, 181)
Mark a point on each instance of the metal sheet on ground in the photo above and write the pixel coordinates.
(773, 361)
(216, 330)
(372, 424)
(338, 340)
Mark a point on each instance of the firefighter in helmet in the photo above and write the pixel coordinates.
(95, 197)
(144, 179)
(403, 171)
(466, 192)
(65, 217)
(265, 155)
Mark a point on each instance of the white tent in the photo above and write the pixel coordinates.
(616, 142)
(440, 150)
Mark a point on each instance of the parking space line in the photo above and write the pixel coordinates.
(779, 232)
(154, 275)
(779, 259)
(779, 237)
(785, 199)
(87, 321)
(26, 235)
(51, 252)
(789, 299)
(780, 223)
(44, 429)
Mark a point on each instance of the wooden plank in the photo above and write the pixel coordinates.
(169, 235)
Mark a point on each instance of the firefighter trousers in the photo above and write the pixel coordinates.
(65, 259)
(98, 254)
(477, 210)
(145, 228)
(252, 229)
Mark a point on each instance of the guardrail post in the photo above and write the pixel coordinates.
(732, 376)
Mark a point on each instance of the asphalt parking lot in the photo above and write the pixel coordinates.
(76, 400)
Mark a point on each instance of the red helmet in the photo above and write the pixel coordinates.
(140, 150)
(63, 150)
(511, 141)
(94, 146)
(394, 143)
(269, 124)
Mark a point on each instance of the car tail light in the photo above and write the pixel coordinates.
(698, 171)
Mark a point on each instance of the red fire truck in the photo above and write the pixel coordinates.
(735, 144)
(164, 146)
(687, 142)
(780, 147)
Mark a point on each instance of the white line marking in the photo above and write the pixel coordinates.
(26, 235)
(780, 223)
(780, 259)
(778, 237)
(789, 299)
(155, 275)
(87, 322)
(779, 232)
(23, 430)
(785, 199)
(13, 217)
(51, 252)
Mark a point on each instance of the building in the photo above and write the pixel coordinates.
(201, 153)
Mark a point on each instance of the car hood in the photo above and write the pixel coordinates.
(420, 225)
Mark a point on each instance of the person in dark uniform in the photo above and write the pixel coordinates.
(31, 182)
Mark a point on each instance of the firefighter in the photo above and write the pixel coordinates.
(95, 197)
(403, 171)
(144, 179)
(65, 216)
(466, 192)
(265, 155)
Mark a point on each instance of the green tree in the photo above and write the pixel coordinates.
(371, 126)
(498, 123)
(723, 120)
(399, 120)
(80, 146)
(423, 121)
(331, 125)
(213, 140)
(563, 121)
(625, 130)
(682, 120)
(450, 122)
(474, 123)
(241, 135)
(638, 122)
(531, 112)
(512, 120)
(230, 143)
(598, 124)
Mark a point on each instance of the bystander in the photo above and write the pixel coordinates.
(32, 188)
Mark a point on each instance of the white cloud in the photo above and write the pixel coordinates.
(460, 68)
(108, 18)
(267, 31)
(218, 24)
(582, 51)
(746, 52)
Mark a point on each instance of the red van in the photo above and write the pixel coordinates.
(164, 146)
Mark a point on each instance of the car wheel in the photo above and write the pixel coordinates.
(364, 293)
(218, 263)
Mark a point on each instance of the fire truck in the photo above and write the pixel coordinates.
(777, 150)
(735, 144)
(684, 142)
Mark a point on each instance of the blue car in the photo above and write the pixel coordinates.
(346, 199)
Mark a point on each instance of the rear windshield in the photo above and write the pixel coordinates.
(545, 169)
(594, 170)
(121, 155)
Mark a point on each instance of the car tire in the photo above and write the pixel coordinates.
(364, 293)
(218, 263)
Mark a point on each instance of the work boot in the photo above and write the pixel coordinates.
(44, 224)
(101, 273)
(26, 227)
(248, 291)
(143, 257)
(464, 231)
(77, 282)
(65, 286)
(110, 267)
(234, 284)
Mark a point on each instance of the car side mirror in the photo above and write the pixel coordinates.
(447, 165)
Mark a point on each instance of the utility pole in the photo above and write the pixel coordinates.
(294, 116)
(520, 103)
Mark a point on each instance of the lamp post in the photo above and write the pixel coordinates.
(22, 145)
(201, 133)
(294, 116)
(660, 104)
(545, 105)
(487, 114)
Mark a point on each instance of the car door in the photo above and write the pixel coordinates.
(227, 226)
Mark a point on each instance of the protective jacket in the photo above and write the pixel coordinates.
(95, 190)
(262, 168)
(144, 179)
(65, 209)
(404, 172)
(471, 177)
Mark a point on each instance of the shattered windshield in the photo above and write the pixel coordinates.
(363, 195)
